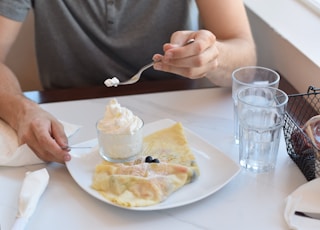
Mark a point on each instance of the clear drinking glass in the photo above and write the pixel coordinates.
(250, 76)
(261, 113)
(119, 148)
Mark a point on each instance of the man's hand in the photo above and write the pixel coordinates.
(192, 61)
(44, 135)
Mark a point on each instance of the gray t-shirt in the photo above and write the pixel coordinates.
(82, 42)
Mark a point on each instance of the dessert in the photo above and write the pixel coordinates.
(119, 133)
(112, 82)
(165, 165)
(170, 145)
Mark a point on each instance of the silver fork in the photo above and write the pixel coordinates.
(115, 81)
(74, 147)
(137, 76)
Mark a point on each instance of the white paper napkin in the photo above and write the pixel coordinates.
(11, 154)
(32, 188)
(306, 198)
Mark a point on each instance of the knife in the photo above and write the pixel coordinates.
(313, 215)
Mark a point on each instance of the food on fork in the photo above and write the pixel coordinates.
(112, 82)
(145, 182)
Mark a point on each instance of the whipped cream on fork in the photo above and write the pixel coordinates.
(110, 82)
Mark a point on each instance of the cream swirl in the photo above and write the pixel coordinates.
(119, 120)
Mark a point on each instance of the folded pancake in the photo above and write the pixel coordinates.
(137, 184)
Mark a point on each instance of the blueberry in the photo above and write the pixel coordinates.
(148, 159)
(155, 160)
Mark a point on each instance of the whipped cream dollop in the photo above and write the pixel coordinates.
(119, 120)
(110, 82)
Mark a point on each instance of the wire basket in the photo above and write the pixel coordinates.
(300, 108)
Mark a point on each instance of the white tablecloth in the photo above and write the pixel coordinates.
(249, 201)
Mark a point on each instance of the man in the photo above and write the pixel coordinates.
(82, 42)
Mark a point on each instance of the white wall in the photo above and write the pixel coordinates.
(287, 35)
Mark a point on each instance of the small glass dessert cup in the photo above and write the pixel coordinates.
(119, 148)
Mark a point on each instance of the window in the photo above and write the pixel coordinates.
(299, 25)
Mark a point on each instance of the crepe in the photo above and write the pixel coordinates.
(139, 183)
